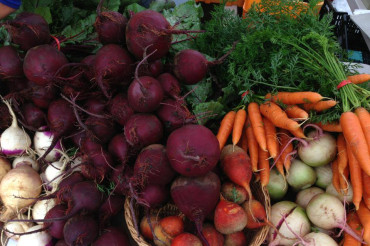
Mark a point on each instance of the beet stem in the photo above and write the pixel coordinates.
(73, 102)
(142, 87)
(222, 58)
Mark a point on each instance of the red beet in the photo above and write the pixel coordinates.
(41, 64)
(119, 148)
(170, 85)
(121, 177)
(143, 129)
(99, 164)
(152, 69)
(193, 150)
(33, 116)
(29, 30)
(113, 66)
(153, 196)
(89, 69)
(120, 109)
(103, 129)
(55, 228)
(236, 239)
(10, 63)
(145, 94)
(214, 238)
(196, 197)
(112, 236)
(152, 166)
(95, 105)
(110, 207)
(81, 230)
(41, 96)
(61, 243)
(65, 186)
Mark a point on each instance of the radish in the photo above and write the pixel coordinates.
(196, 197)
(300, 175)
(110, 26)
(193, 150)
(324, 176)
(305, 196)
(18, 184)
(317, 238)
(150, 29)
(320, 151)
(343, 197)
(327, 211)
(81, 230)
(112, 236)
(42, 63)
(42, 140)
(39, 237)
(14, 140)
(277, 186)
(4, 167)
(120, 109)
(28, 30)
(290, 220)
(10, 63)
(41, 207)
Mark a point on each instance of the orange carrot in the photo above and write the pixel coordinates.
(243, 143)
(364, 215)
(280, 119)
(330, 127)
(343, 181)
(280, 166)
(295, 97)
(264, 167)
(293, 111)
(335, 179)
(226, 126)
(271, 138)
(239, 122)
(356, 178)
(342, 162)
(257, 125)
(354, 223)
(364, 118)
(319, 106)
(285, 136)
(252, 145)
(359, 78)
(366, 189)
(355, 138)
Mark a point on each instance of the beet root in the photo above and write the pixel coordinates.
(55, 228)
(170, 85)
(10, 63)
(86, 197)
(190, 66)
(110, 26)
(119, 148)
(33, 116)
(103, 129)
(193, 150)
(81, 230)
(110, 207)
(120, 109)
(112, 236)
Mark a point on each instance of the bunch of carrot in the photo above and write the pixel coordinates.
(265, 130)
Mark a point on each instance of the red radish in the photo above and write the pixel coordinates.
(234, 193)
(193, 150)
(145, 227)
(186, 239)
(110, 26)
(213, 237)
(28, 30)
(41, 64)
(119, 148)
(120, 109)
(190, 66)
(236, 239)
(167, 229)
(10, 63)
(170, 85)
(113, 66)
(55, 228)
(103, 129)
(112, 236)
(150, 28)
(174, 114)
(236, 164)
(81, 230)
(153, 167)
(110, 207)
(42, 96)
(33, 116)
(229, 217)
(143, 129)
(256, 214)
(196, 197)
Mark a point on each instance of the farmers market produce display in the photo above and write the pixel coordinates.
(125, 125)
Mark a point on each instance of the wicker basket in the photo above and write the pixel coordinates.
(255, 237)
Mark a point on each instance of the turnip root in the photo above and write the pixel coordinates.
(26, 160)
(41, 207)
(317, 238)
(301, 175)
(4, 167)
(305, 196)
(17, 227)
(229, 217)
(343, 197)
(18, 184)
(277, 186)
(193, 150)
(42, 141)
(324, 176)
(35, 239)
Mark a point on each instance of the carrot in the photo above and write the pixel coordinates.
(295, 97)
(280, 166)
(284, 140)
(364, 215)
(239, 121)
(319, 106)
(354, 223)
(264, 167)
(252, 145)
(271, 138)
(343, 181)
(366, 189)
(359, 78)
(226, 126)
(330, 127)
(257, 125)
(355, 138)
(280, 119)
(243, 143)
(293, 111)
(356, 178)
(342, 162)
(364, 118)
(335, 179)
